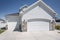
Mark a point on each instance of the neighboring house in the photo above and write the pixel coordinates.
(37, 17)
(2, 23)
(57, 21)
(12, 20)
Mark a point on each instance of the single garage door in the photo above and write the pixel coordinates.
(11, 25)
(37, 26)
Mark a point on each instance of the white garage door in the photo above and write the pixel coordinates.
(11, 25)
(38, 26)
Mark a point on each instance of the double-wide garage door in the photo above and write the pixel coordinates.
(37, 26)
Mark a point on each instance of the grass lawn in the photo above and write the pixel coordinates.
(1, 31)
(57, 27)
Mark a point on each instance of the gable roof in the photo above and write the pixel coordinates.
(40, 2)
(13, 14)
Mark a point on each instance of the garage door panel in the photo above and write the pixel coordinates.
(37, 26)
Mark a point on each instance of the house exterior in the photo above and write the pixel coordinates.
(2, 23)
(34, 18)
(12, 20)
(37, 17)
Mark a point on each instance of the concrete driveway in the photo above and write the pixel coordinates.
(42, 35)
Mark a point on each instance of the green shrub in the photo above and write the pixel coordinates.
(1, 31)
(57, 27)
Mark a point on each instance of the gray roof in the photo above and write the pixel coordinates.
(2, 20)
(13, 14)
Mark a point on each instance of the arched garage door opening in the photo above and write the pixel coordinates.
(34, 25)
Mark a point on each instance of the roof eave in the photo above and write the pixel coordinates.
(49, 7)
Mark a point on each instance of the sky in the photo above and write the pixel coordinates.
(12, 6)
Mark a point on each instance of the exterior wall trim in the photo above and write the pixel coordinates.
(45, 20)
(37, 19)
